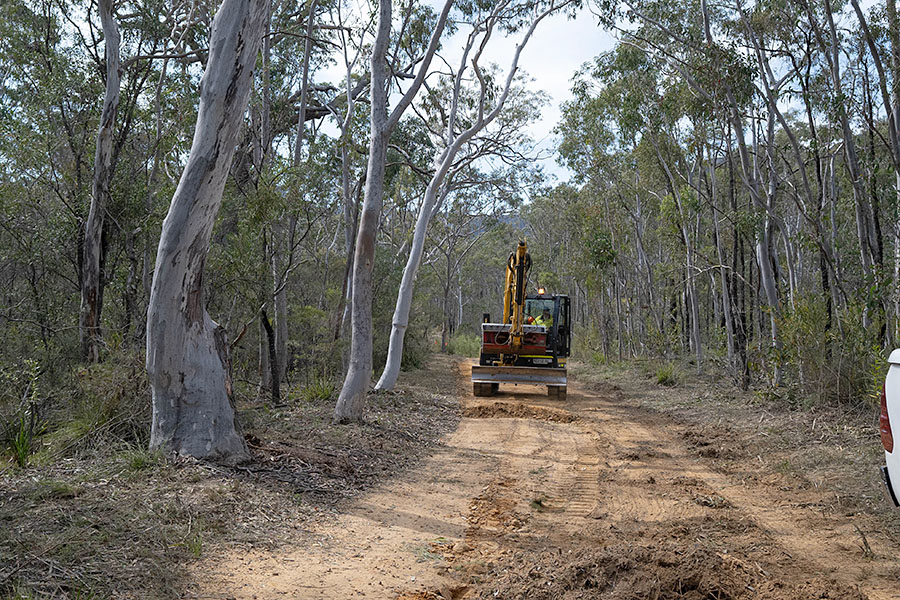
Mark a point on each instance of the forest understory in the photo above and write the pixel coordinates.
(222, 222)
(628, 489)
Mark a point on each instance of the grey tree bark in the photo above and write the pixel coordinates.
(152, 179)
(454, 141)
(187, 356)
(351, 402)
(832, 56)
(720, 255)
(92, 259)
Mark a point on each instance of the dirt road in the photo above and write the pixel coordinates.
(593, 497)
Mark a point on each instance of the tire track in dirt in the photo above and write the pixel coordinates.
(658, 478)
(774, 519)
(638, 491)
(593, 497)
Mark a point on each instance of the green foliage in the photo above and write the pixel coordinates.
(464, 344)
(112, 404)
(415, 350)
(840, 362)
(549, 280)
(21, 429)
(194, 541)
(18, 593)
(319, 389)
(140, 458)
(20, 436)
(587, 347)
(56, 490)
(312, 350)
(600, 247)
(667, 374)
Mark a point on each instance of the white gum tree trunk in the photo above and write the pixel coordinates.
(351, 402)
(187, 356)
(435, 192)
(91, 265)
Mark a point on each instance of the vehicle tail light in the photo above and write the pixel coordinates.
(887, 438)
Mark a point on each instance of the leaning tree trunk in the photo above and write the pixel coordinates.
(92, 260)
(400, 321)
(433, 197)
(187, 356)
(352, 400)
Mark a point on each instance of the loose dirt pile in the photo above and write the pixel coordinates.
(625, 572)
(518, 411)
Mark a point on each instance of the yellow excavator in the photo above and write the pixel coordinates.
(531, 344)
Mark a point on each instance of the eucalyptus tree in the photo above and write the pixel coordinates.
(457, 230)
(456, 131)
(146, 41)
(628, 103)
(351, 402)
(48, 100)
(91, 291)
(760, 120)
(352, 32)
(62, 79)
(885, 54)
(274, 119)
(187, 355)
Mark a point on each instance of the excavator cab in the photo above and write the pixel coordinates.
(545, 344)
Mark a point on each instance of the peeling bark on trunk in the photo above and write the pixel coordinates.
(351, 402)
(187, 355)
(92, 254)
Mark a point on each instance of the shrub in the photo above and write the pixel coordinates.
(112, 403)
(667, 374)
(842, 363)
(587, 346)
(319, 389)
(415, 347)
(24, 425)
(464, 344)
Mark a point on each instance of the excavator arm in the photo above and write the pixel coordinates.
(517, 267)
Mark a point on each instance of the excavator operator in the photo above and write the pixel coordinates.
(545, 320)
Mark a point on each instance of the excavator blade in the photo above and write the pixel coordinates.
(548, 376)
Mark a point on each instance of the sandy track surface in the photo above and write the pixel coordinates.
(592, 497)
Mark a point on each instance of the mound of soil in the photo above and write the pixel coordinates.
(518, 411)
(627, 572)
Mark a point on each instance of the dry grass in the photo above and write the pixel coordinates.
(99, 517)
(821, 445)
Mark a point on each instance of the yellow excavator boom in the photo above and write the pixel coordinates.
(517, 267)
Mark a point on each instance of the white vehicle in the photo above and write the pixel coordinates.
(890, 407)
